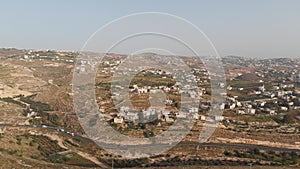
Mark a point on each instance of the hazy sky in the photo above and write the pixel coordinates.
(258, 28)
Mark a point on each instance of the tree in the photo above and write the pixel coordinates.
(227, 153)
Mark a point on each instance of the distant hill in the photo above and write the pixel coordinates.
(8, 52)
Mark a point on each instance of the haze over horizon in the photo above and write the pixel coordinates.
(250, 28)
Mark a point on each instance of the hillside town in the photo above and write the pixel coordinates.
(261, 106)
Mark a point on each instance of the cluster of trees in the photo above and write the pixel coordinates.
(124, 163)
(11, 100)
(36, 105)
(283, 158)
